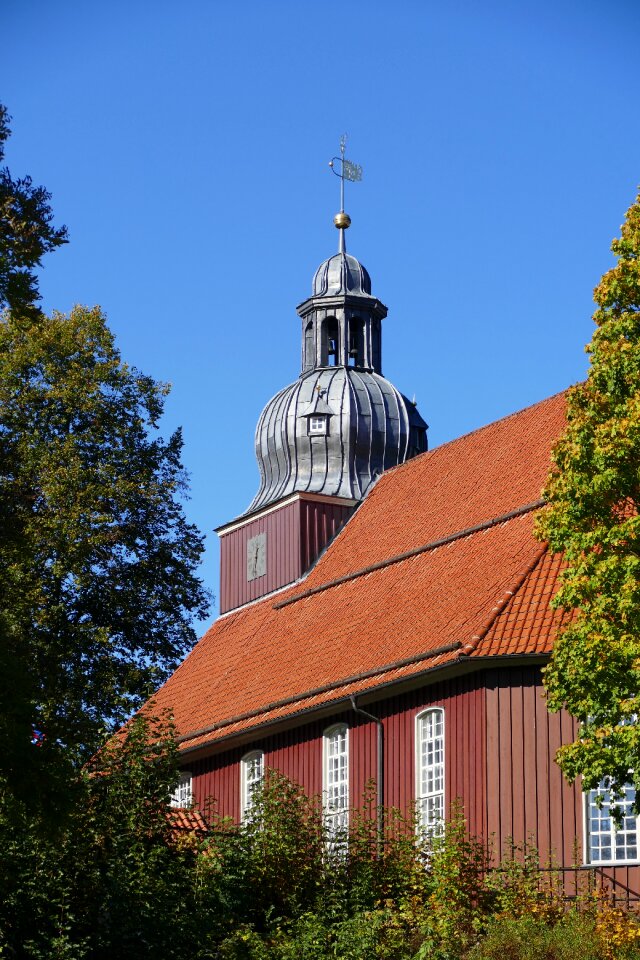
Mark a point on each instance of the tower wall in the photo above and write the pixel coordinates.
(295, 532)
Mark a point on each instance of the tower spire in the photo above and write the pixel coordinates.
(348, 171)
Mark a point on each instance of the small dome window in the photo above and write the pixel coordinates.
(318, 425)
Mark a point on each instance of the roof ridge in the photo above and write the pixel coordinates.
(406, 555)
(476, 639)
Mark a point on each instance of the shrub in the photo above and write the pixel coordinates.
(526, 937)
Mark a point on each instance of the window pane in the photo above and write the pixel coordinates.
(252, 767)
(317, 424)
(182, 795)
(609, 843)
(430, 754)
(336, 776)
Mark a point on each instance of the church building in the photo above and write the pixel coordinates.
(385, 610)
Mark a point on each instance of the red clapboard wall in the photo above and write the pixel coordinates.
(500, 743)
(297, 530)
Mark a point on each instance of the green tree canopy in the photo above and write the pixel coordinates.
(593, 496)
(98, 561)
(26, 233)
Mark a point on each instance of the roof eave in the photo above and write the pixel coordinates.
(462, 666)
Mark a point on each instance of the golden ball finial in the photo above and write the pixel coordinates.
(342, 220)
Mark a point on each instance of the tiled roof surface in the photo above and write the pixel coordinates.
(186, 820)
(457, 485)
(483, 593)
(528, 623)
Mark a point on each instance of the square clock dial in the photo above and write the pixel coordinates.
(256, 556)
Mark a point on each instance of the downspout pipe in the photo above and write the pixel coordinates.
(380, 774)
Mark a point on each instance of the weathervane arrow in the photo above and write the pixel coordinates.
(348, 171)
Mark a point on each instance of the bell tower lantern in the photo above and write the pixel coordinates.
(322, 441)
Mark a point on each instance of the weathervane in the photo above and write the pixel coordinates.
(348, 171)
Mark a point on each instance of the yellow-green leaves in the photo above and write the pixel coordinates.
(593, 496)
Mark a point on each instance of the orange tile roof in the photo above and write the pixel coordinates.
(484, 591)
(186, 820)
(528, 624)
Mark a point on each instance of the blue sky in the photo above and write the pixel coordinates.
(186, 148)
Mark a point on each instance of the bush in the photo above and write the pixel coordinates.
(116, 881)
(573, 937)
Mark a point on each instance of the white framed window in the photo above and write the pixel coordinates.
(318, 425)
(430, 770)
(335, 779)
(182, 795)
(607, 843)
(251, 777)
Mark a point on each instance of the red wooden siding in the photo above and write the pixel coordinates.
(527, 794)
(282, 529)
(298, 753)
(296, 533)
(319, 523)
(528, 799)
(463, 702)
(500, 742)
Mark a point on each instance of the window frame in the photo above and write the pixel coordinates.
(435, 829)
(587, 851)
(175, 799)
(247, 787)
(336, 821)
(318, 424)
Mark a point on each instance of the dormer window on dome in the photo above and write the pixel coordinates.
(317, 414)
(319, 425)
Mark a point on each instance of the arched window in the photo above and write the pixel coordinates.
(309, 353)
(335, 779)
(356, 342)
(330, 342)
(182, 795)
(251, 777)
(430, 770)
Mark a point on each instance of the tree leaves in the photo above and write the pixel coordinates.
(593, 496)
(26, 234)
(100, 562)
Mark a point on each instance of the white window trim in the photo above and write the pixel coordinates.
(246, 800)
(333, 817)
(182, 794)
(586, 838)
(318, 424)
(435, 829)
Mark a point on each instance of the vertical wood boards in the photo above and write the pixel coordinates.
(500, 743)
(296, 532)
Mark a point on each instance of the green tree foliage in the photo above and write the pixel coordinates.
(593, 496)
(113, 880)
(26, 233)
(98, 561)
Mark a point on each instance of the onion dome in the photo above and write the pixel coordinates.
(333, 432)
(341, 424)
(341, 275)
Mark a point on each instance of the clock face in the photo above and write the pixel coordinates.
(256, 556)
